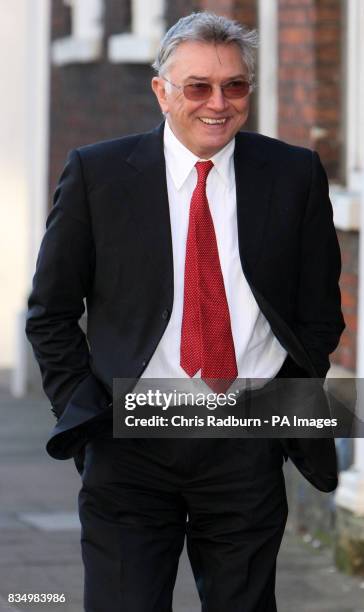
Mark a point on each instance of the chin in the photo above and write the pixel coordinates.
(217, 145)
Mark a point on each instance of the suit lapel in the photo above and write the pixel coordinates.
(254, 182)
(148, 188)
(253, 179)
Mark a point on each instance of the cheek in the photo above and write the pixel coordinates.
(242, 113)
(180, 111)
(245, 107)
(193, 110)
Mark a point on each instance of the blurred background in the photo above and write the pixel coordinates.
(76, 71)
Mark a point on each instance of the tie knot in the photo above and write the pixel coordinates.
(203, 169)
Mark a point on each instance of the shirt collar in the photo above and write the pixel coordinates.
(181, 161)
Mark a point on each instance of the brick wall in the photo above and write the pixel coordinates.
(310, 48)
(345, 354)
(220, 7)
(180, 8)
(246, 12)
(310, 114)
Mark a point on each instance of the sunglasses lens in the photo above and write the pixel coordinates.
(197, 91)
(236, 89)
(202, 91)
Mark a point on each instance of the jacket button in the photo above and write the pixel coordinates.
(144, 363)
(165, 314)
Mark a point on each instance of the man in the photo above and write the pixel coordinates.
(201, 251)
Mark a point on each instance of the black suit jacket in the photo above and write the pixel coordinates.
(108, 244)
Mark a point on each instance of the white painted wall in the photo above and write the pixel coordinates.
(268, 68)
(87, 29)
(24, 32)
(147, 29)
(355, 93)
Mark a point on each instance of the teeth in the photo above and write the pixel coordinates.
(212, 121)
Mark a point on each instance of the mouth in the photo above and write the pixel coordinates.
(210, 121)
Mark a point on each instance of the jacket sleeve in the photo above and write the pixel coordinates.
(63, 279)
(319, 317)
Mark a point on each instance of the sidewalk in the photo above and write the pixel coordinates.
(39, 532)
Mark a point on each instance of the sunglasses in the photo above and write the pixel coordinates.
(200, 91)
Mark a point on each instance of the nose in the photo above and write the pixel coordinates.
(217, 100)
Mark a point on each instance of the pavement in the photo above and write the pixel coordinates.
(39, 532)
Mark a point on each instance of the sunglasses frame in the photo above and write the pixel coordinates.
(183, 87)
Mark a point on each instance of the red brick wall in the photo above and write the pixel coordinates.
(310, 114)
(246, 12)
(310, 77)
(220, 7)
(345, 354)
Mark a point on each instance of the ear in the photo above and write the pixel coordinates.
(159, 88)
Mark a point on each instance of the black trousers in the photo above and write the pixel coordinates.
(141, 498)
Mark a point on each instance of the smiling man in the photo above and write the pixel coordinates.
(202, 251)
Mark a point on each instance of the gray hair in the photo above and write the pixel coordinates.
(210, 28)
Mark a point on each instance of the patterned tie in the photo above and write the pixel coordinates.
(206, 340)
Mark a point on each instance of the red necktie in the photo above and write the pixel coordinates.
(206, 341)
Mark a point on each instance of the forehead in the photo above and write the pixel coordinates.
(207, 60)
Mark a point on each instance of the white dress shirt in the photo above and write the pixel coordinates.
(258, 352)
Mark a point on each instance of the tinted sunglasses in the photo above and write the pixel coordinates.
(239, 88)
